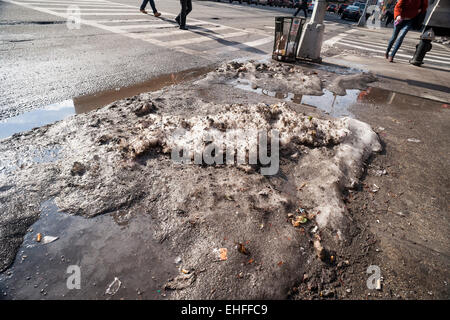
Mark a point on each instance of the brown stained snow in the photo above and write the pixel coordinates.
(294, 129)
(118, 158)
(269, 76)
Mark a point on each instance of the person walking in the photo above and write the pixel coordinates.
(388, 11)
(405, 12)
(152, 4)
(302, 6)
(186, 7)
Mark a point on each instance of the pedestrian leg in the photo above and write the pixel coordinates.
(181, 18)
(186, 7)
(297, 11)
(143, 5)
(189, 7)
(404, 30)
(393, 38)
(152, 4)
(305, 12)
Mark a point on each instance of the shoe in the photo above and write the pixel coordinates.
(391, 59)
(177, 19)
(157, 14)
(143, 11)
(183, 28)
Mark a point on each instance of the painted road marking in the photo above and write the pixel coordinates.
(378, 45)
(383, 52)
(438, 54)
(157, 25)
(208, 28)
(207, 38)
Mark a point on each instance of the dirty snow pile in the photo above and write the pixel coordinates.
(236, 119)
(275, 77)
(334, 150)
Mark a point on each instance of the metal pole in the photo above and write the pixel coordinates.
(362, 19)
(310, 43)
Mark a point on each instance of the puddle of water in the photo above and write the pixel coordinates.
(36, 118)
(102, 249)
(330, 103)
(91, 102)
(82, 104)
(340, 106)
(380, 96)
(337, 106)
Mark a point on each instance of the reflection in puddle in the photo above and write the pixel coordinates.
(36, 118)
(339, 106)
(83, 104)
(328, 102)
(331, 103)
(102, 249)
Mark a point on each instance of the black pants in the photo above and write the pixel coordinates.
(152, 4)
(186, 7)
(304, 11)
(389, 18)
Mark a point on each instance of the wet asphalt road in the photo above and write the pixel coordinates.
(45, 62)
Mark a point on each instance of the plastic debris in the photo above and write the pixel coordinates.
(48, 239)
(380, 173)
(320, 251)
(242, 249)
(221, 254)
(413, 140)
(113, 286)
(299, 220)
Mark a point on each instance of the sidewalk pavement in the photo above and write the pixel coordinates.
(430, 81)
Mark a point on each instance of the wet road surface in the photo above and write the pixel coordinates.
(46, 62)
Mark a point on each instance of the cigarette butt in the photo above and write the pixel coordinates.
(38, 237)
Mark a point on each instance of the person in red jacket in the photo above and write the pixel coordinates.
(404, 13)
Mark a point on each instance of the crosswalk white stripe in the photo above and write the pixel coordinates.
(157, 25)
(240, 46)
(330, 42)
(438, 59)
(445, 56)
(98, 9)
(81, 6)
(191, 19)
(151, 37)
(63, 1)
(147, 36)
(383, 51)
(443, 51)
(68, 3)
(109, 13)
(205, 38)
(123, 20)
